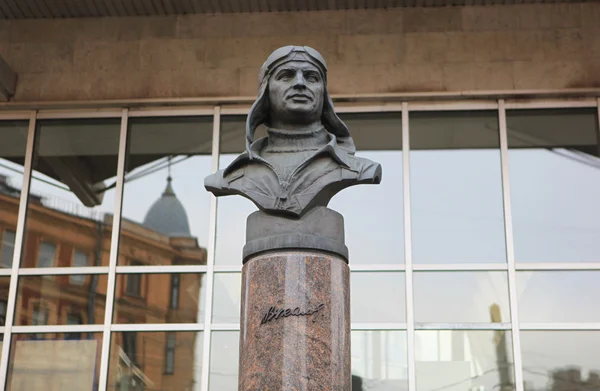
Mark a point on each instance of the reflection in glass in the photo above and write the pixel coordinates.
(4, 285)
(55, 300)
(559, 296)
(165, 205)
(231, 224)
(232, 211)
(224, 357)
(561, 360)
(378, 136)
(379, 360)
(72, 191)
(54, 362)
(377, 297)
(461, 297)
(555, 184)
(459, 360)
(147, 298)
(8, 248)
(227, 296)
(12, 157)
(155, 361)
(457, 209)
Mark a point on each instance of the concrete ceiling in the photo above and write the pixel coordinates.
(26, 9)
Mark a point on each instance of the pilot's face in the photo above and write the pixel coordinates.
(296, 91)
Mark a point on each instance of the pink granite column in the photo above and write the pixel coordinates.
(295, 328)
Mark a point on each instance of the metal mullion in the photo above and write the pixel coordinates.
(510, 248)
(18, 249)
(212, 236)
(550, 104)
(461, 267)
(410, 318)
(14, 115)
(561, 326)
(42, 329)
(174, 112)
(378, 326)
(378, 268)
(380, 108)
(225, 327)
(74, 114)
(227, 269)
(462, 326)
(598, 124)
(235, 110)
(562, 266)
(45, 271)
(114, 252)
(453, 105)
(5, 272)
(161, 269)
(144, 327)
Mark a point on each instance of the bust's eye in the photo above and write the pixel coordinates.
(312, 77)
(286, 75)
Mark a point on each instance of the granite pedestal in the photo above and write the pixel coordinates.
(295, 316)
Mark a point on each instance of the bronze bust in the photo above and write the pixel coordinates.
(308, 156)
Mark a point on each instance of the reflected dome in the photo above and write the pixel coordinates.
(167, 215)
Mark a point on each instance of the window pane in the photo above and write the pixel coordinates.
(560, 360)
(559, 296)
(555, 184)
(151, 302)
(456, 187)
(72, 190)
(46, 254)
(227, 296)
(53, 300)
(232, 211)
(80, 259)
(8, 248)
(224, 360)
(463, 360)
(54, 362)
(138, 361)
(379, 360)
(4, 285)
(377, 297)
(378, 137)
(449, 297)
(165, 205)
(12, 157)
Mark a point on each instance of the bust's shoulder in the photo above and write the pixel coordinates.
(221, 180)
(368, 170)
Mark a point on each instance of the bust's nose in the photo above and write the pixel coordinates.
(299, 81)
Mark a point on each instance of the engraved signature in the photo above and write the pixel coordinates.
(275, 313)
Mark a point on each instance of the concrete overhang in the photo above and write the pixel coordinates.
(30, 9)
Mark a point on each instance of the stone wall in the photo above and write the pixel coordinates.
(549, 46)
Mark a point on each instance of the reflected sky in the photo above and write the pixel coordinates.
(459, 360)
(456, 297)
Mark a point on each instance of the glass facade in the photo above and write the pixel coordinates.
(475, 264)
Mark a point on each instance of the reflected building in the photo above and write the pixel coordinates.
(571, 379)
(57, 236)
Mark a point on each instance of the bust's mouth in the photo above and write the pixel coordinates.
(299, 97)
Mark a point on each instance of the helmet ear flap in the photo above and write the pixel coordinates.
(258, 115)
